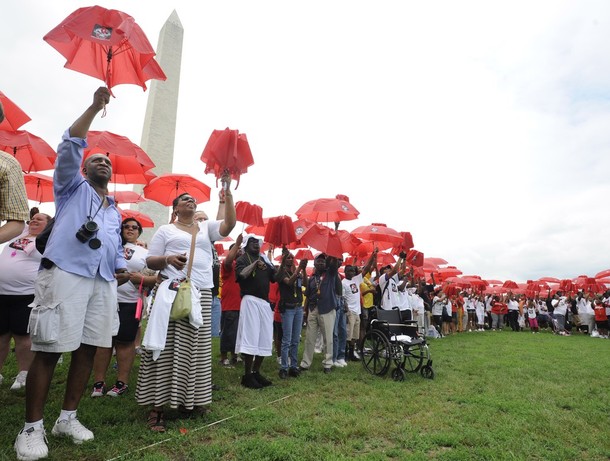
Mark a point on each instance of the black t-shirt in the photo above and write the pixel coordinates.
(257, 283)
(290, 294)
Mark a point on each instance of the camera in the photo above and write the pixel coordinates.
(86, 231)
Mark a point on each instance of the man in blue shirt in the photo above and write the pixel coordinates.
(75, 294)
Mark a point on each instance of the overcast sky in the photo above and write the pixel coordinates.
(480, 127)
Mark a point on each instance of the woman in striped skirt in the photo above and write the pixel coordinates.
(179, 373)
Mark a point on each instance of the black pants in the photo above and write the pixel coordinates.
(513, 320)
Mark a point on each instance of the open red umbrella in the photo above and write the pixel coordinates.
(227, 150)
(165, 188)
(378, 232)
(142, 218)
(303, 254)
(436, 261)
(32, 152)
(38, 187)
(405, 245)
(323, 239)
(14, 117)
(328, 210)
(280, 231)
(106, 44)
(602, 274)
(510, 284)
(128, 196)
(249, 213)
(129, 161)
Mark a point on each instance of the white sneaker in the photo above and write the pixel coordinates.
(19, 380)
(31, 444)
(356, 355)
(72, 428)
(342, 363)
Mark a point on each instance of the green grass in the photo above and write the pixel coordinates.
(495, 396)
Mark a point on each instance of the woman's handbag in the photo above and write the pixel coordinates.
(182, 305)
(140, 302)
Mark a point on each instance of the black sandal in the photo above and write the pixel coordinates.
(155, 421)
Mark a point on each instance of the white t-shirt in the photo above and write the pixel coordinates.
(513, 305)
(135, 256)
(389, 295)
(404, 303)
(351, 291)
(19, 263)
(169, 240)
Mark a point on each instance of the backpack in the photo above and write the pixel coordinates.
(43, 237)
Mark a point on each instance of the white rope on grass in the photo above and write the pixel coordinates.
(197, 429)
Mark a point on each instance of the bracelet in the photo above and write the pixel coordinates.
(166, 260)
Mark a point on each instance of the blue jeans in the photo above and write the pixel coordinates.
(292, 323)
(215, 316)
(339, 335)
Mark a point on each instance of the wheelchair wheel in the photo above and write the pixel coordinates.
(414, 358)
(427, 372)
(376, 353)
(398, 374)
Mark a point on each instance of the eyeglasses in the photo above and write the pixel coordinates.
(132, 227)
(188, 199)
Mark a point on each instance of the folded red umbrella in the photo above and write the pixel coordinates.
(280, 231)
(405, 245)
(32, 152)
(106, 44)
(38, 187)
(415, 258)
(165, 188)
(142, 218)
(227, 151)
(378, 232)
(258, 230)
(14, 117)
(323, 239)
(249, 213)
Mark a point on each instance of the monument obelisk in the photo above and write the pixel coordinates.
(159, 130)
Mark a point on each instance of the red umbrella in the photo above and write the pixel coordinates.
(602, 274)
(249, 213)
(106, 44)
(303, 254)
(437, 261)
(323, 239)
(415, 258)
(405, 245)
(227, 150)
(258, 230)
(128, 196)
(280, 231)
(38, 187)
(14, 117)
(32, 152)
(219, 249)
(384, 258)
(129, 161)
(349, 242)
(378, 232)
(510, 284)
(590, 285)
(301, 225)
(165, 188)
(328, 210)
(142, 218)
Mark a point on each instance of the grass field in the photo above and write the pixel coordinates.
(495, 396)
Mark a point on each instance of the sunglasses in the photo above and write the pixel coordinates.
(132, 227)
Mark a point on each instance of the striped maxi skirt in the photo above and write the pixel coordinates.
(182, 375)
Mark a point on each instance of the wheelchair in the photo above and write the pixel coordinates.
(390, 338)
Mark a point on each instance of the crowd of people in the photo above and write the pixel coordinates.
(84, 288)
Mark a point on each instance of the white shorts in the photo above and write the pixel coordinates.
(69, 310)
(255, 329)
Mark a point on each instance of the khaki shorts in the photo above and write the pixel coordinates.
(353, 326)
(69, 310)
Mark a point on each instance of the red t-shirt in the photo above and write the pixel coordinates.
(600, 313)
(499, 308)
(230, 299)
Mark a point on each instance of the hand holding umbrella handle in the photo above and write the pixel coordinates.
(225, 180)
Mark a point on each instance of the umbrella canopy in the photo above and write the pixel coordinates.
(38, 187)
(142, 218)
(415, 258)
(14, 117)
(323, 239)
(510, 284)
(32, 152)
(128, 196)
(258, 230)
(106, 44)
(301, 225)
(280, 231)
(165, 188)
(303, 254)
(249, 213)
(227, 151)
(129, 161)
(405, 245)
(378, 232)
(328, 210)
(436, 261)
(602, 274)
